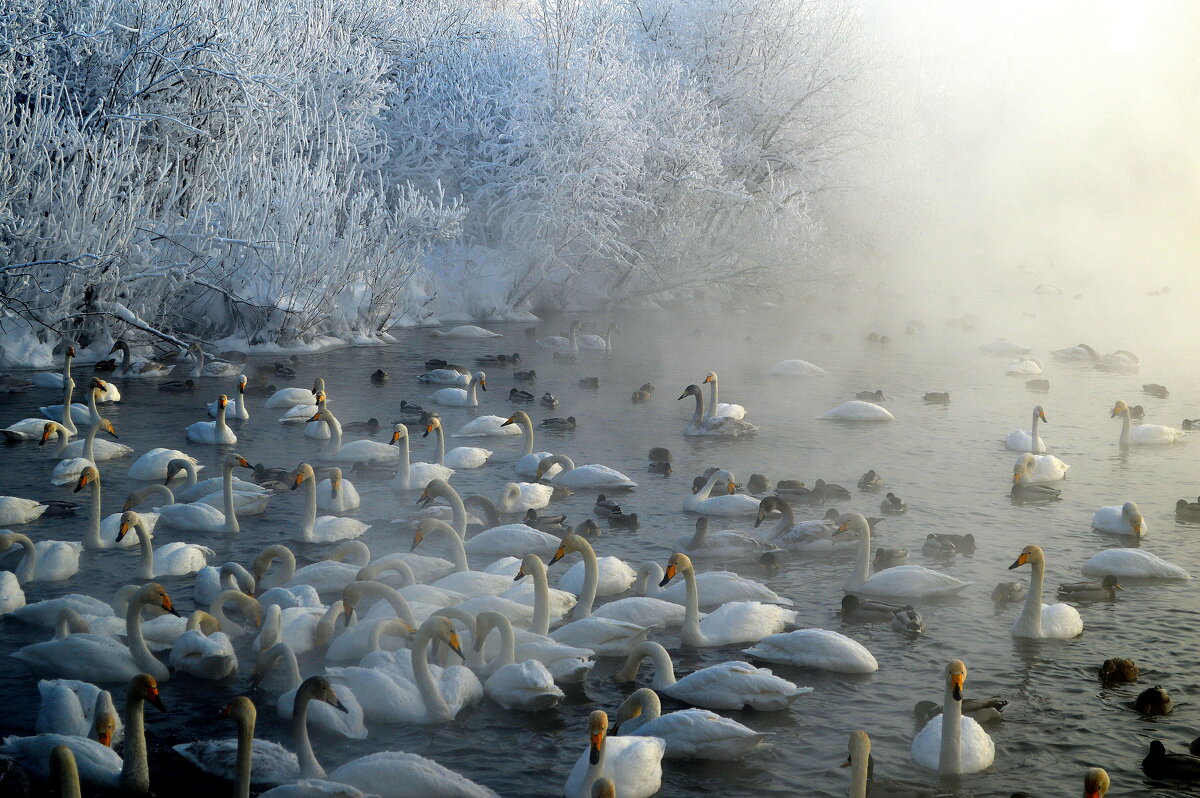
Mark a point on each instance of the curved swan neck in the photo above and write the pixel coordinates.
(691, 633)
(371, 572)
(541, 599)
(282, 652)
(441, 444)
(387, 593)
(248, 606)
(697, 417)
(1031, 613)
(862, 556)
(29, 557)
(308, 520)
(527, 431)
(262, 564)
(457, 508)
(789, 516)
(664, 668)
(310, 768)
(591, 580)
(435, 705)
(245, 748)
(68, 392)
(135, 770)
(89, 443)
(950, 755)
(231, 519)
(335, 431)
(138, 648)
(649, 574)
(458, 551)
(146, 547)
(859, 768)
(328, 624)
(494, 621)
(93, 411)
(189, 468)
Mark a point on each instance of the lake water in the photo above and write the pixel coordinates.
(947, 461)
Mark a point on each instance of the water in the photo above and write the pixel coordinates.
(948, 462)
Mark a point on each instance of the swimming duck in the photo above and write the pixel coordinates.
(935, 546)
(370, 426)
(549, 400)
(870, 396)
(644, 393)
(1153, 701)
(936, 397)
(498, 360)
(1118, 669)
(758, 484)
(516, 395)
(1022, 493)
(554, 524)
(590, 383)
(559, 423)
(983, 710)
(888, 558)
(178, 386)
(962, 544)
(829, 492)
(379, 377)
(525, 376)
(627, 520)
(1186, 509)
(1155, 390)
(1159, 764)
(1008, 591)
(605, 506)
(893, 505)
(660, 454)
(870, 481)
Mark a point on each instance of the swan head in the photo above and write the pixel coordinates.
(222, 402)
(318, 688)
(1041, 414)
(639, 701)
(105, 723)
(691, 390)
(242, 380)
(1023, 467)
(89, 475)
(303, 471)
(956, 676)
(1095, 783)
(853, 522)
(571, 542)
(710, 377)
(335, 481)
(428, 526)
(440, 487)
(1029, 554)
(129, 520)
(234, 459)
(400, 432)
(481, 378)
(442, 628)
(318, 386)
(1133, 516)
(173, 468)
(767, 505)
(240, 709)
(530, 564)
(70, 352)
(597, 731)
(678, 562)
(519, 417)
(144, 687)
(1119, 408)
(436, 423)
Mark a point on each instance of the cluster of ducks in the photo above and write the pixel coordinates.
(411, 638)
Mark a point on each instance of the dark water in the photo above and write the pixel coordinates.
(947, 461)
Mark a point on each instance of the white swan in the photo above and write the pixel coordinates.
(858, 410)
(1021, 441)
(338, 569)
(98, 766)
(1043, 621)
(356, 451)
(211, 580)
(735, 622)
(1024, 367)
(614, 576)
(459, 456)
(1081, 353)
(200, 490)
(327, 528)
(139, 366)
(1143, 434)
(1120, 519)
(466, 331)
(723, 544)
(336, 494)
(344, 722)
(203, 650)
(720, 409)
(215, 432)
(715, 587)
(447, 376)
(45, 561)
(567, 664)
(486, 427)
(12, 597)
(726, 685)
(797, 368)
(527, 465)
(729, 506)
(201, 515)
(461, 397)
(512, 540)
(152, 466)
(712, 426)
(563, 344)
(91, 657)
(1038, 469)
(101, 449)
(69, 706)
(171, 559)
(599, 343)
(585, 476)
(1121, 361)
(464, 580)
(15, 511)
(818, 536)
(634, 764)
(528, 685)
(290, 397)
(902, 581)
(517, 497)
(688, 733)
(951, 742)
(239, 404)
(1132, 563)
(415, 476)
(820, 649)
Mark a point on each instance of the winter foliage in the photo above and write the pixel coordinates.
(280, 171)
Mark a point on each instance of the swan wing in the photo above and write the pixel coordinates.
(911, 581)
(1133, 563)
(744, 622)
(271, 763)
(977, 752)
(815, 648)
(700, 734)
(397, 774)
(736, 685)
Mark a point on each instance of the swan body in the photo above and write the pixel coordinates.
(1124, 520)
(797, 368)
(633, 764)
(527, 685)
(734, 622)
(512, 540)
(415, 476)
(1038, 620)
(458, 457)
(903, 581)
(585, 476)
(858, 410)
(97, 765)
(1081, 353)
(597, 342)
(27, 429)
(45, 613)
(952, 743)
(354, 451)
(348, 724)
(398, 774)
(614, 576)
(518, 497)
(815, 648)
(342, 500)
(461, 397)
(729, 506)
(530, 461)
(604, 636)
(1024, 367)
(726, 543)
(486, 427)
(215, 432)
(71, 707)
(467, 331)
(643, 611)
(203, 650)
(239, 405)
(12, 597)
(817, 536)
(271, 763)
(720, 409)
(327, 528)
(152, 466)
(290, 397)
(1132, 563)
(711, 425)
(687, 733)
(1144, 434)
(1038, 469)
(44, 561)
(714, 587)
(1021, 441)
(15, 510)
(1119, 362)
(561, 343)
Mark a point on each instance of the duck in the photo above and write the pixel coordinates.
(820, 649)
(170, 559)
(327, 528)
(888, 558)
(589, 383)
(903, 581)
(936, 398)
(380, 377)
(499, 360)
(643, 394)
(1118, 669)
(709, 425)
(904, 619)
(567, 423)
(965, 748)
(893, 505)
(633, 764)
(871, 396)
(1021, 441)
(1132, 563)
(1121, 519)
(178, 386)
(730, 505)
(461, 397)
(525, 376)
(982, 710)
(1153, 701)
(857, 410)
(545, 523)
(239, 411)
(688, 733)
(517, 396)
(1155, 390)
(1183, 509)
(1021, 493)
(1143, 434)
(733, 622)
(527, 686)
(724, 544)
(870, 481)
(459, 456)
(45, 561)
(1035, 469)
(585, 476)
(414, 476)
(729, 685)
(214, 432)
(1159, 764)
(826, 491)
(548, 400)
(1191, 424)
(1043, 621)
(946, 545)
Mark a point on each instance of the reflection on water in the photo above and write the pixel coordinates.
(947, 461)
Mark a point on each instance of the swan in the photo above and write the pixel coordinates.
(69, 706)
(903, 581)
(1143, 434)
(196, 517)
(203, 650)
(735, 622)
(730, 505)
(797, 368)
(327, 528)
(563, 344)
(246, 495)
(98, 765)
(459, 456)
(45, 561)
(1080, 353)
(95, 658)
(82, 415)
(1021, 441)
(215, 432)
(461, 397)
(202, 515)
(1120, 519)
(137, 367)
(345, 722)
(527, 465)
(303, 628)
(45, 613)
(1132, 563)
(99, 392)
(290, 397)
(1043, 621)
(598, 343)
(716, 587)
(244, 758)
(688, 733)
(337, 495)
(527, 686)
(817, 536)
(584, 579)
(332, 574)
(464, 580)
(360, 639)
(585, 476)
(171, 559)
(486, 427)
(448, 375)
(153, 465)
(966, 747)
(815, 648)
(1024, 367)
(211, 580)
(239, 404)
(28, 429)
(1002, 346)
(1038, 469)
(720, 409)
(12, 597)
(567, 664)
(700, 424)
(519, 497)
(216, 368)
(865, 784)
(1119, 362)
(417, 475)
(726, 685)
(857, 410)
(613, 575)
(100, 449)
(724, 544)
(634, 764)
(15, 510)
(512, 540)
(355, 451)
(466, 331)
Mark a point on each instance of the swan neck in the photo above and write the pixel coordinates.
(392, 596)
(858, 776)
(89, 443)
(91, 535)
(231, 520)
(1125, 425)
(664, 668)
(146, 548)
(93, 412)
(310, 768)
(861, 558)
(697, 416)
(788, 519)
(950, 755)
(435, 705)
(308, 520)
(190, 469)
(245, 749)
(29, 557)
(1031, 614)
(404, 468)
(508, 644)
(126, 359)
(541, 602)
(135, 770)
(692, 635)
(335, 431)
(68, 392)
(591, 581)
(326, 626)
(712, 399)
(1033, 434)
(441, 445)
(138, 648)
(527, 429)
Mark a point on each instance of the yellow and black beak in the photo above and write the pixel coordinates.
(336, 702)
(121, 530)
(668, 575)
(707, 380)
(417, 538)
(539, 473)
(111, 430)
(334, 484)
(594, 749)
(84, 478)
(455, 647)
(511, 420)
(520, 574)
(297, 480)
(558, 555)
(429, 429)
(759, 518)
(347, 611)
(224, 713)
(223, 401)
(155, 701)
(242, 462)
(395, 437)
(483, 384)
(1021, 560)
(45, 434)
(105, 738)
(848, 763)
(1042, 417)
(732, 488)
(956, 683)
(1016, 477)
(316, 416)
(169, 606)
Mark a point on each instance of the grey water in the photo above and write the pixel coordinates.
(947, 461)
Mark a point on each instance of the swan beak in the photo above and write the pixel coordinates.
(1042, 416)
(539, 473)
(111, 430)
(956, 682)
(849, 761)
(105, 738)
(224, 713)
(347, 611)
(297, 480)
(336, 703)
(168, 606)
(45, 434)
(758, 520)
(1137, 527)
(82, 483)
(242, 462)
(454, 645)
(334, 485)
(155, 701)
(668, 575)
(597, 743)
(511, 420)
(222, 402)
(121, 530)
(1024, 558)
(842, 527)
(483, 384)
(417, 538)
(1016, 477)
(520, 574)
(558, 555)
(732, 488)
(707, 380)
(685, 393)
(316, 416)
